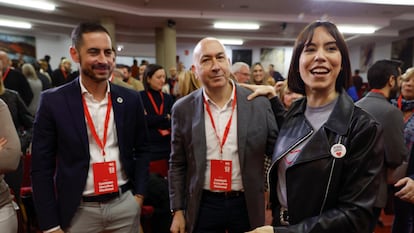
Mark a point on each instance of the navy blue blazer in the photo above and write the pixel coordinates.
(60, 152)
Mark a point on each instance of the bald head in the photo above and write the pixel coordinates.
(211, 62)
(201, 45)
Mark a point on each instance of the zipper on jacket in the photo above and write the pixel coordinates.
(284, 154)
(329, 180)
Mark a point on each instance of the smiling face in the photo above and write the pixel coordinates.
(320, 62)
(95, 56)
(212, 66)
(258, 74)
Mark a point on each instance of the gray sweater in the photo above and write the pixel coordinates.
(9, 153)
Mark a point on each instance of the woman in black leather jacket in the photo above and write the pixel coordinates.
(327, 158)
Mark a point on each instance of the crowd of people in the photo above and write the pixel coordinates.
(231, 147)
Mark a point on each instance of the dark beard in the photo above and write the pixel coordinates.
(89, 72)
(394, 92)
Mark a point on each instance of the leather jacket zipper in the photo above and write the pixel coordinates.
(284, 154)
(329, 180)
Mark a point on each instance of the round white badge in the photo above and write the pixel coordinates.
(119, 100)
(338, 151)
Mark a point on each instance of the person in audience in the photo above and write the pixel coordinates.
(157, 106)
(383, 78)
(277, 77)
(49, 69)
(187, 83)
(127, 78)
(358, 82)
(43, 76)
(61, 74)
(134, 69)
(172, 82)
(216, 181)
(89, 151)
(404, 188)
(241, 72)
(117, 78)
(15, 80)
(157, 112)
(286, 95)
(259, 76)
(35, 84)
(23, 121)
(142, 68)
(329, 153)
(9, 159)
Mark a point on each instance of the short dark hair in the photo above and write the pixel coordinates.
(120, 66)
(295, 82)
(149, 72)
(379, 73)
(83, 28)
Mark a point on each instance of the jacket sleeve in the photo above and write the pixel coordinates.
(278, 110)
(141, 151)
(44, 165)
(10, 152)
(177, 171)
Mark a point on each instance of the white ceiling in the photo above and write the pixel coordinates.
(280, 20)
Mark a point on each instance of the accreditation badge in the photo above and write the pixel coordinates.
(220, 175)
(104, 177)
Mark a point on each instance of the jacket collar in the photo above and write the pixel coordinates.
(340, 117)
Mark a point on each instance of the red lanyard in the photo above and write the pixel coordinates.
(91, 126)
(226, 131)
(6, 73)
(399, 102)
(161, 109)
(378, 91)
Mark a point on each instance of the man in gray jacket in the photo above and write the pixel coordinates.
(219, 140)
(383, 79)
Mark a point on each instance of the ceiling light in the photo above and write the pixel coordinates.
(15, 24)
(231, 41)
(120, 48)
(355, 29)
(384, 2)
(41, 5)
(237, 26)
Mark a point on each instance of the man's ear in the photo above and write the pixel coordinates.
(74, 54)
(391, 81)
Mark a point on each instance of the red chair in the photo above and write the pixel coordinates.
(160, 167)
(26, 195)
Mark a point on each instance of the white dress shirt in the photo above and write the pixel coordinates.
(230, 149)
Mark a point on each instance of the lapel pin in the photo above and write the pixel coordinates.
(119, 100)
(338, 151)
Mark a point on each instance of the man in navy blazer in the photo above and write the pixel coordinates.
(82, 129)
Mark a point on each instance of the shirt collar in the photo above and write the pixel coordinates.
(84, 90)
(233, 86)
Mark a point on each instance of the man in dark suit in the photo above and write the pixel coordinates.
(61, 75)
(13, 79)
(219, 140)
(89, 164)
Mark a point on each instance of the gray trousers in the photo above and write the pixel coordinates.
(8, 219)
(121, 215)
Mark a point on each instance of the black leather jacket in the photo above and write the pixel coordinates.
(327, 194)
